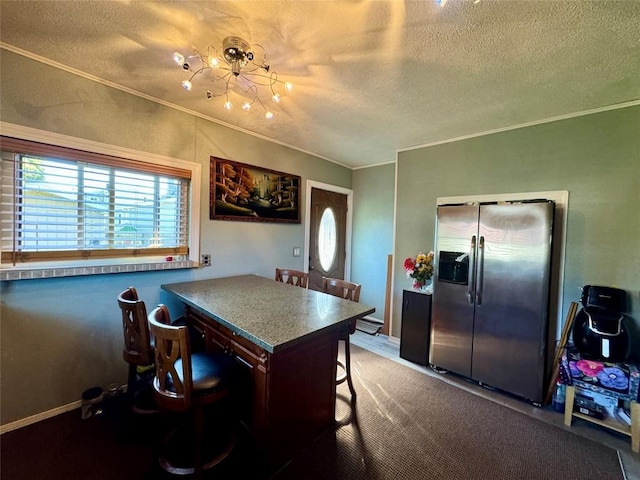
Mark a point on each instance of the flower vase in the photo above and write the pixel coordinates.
(426, 287)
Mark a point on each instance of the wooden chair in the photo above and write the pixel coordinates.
(292, 277)
(349, 291)
(188, 382)
(137, 351)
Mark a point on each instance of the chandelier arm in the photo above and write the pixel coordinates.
(217, 79)
(222, 77)
(249, 70)
(264, 53)
(268, 79)
(250, 88)
(202, 59)
(273, 79)
(197, 72)
(226, 90)
(253, 90)
(260, 102)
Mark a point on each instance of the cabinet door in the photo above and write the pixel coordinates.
(251, 360)
(252, 365)
(416, 326)
(216, 341)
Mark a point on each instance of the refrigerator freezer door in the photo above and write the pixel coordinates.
(453, 307)
(512, 290)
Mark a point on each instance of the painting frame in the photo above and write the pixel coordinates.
(249, 193)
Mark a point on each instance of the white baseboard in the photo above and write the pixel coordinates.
(23, 422)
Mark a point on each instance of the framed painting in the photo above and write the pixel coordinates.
(248, 193)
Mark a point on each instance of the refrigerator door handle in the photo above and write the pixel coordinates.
(472, 269)
(480, 271)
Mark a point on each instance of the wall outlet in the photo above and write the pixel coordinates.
(205, 260)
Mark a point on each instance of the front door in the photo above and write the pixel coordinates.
(327, 236)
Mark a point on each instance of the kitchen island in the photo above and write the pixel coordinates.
(285, 338)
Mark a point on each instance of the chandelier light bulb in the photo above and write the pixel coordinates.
(227, 105)
(288, 86)
(214, 62)
(186, 84)
(246, 106)
(276, 97)
(178, 58)
(268, 115)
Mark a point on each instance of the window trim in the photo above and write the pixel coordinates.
(97, 266)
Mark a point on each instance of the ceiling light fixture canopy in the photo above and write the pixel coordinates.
(241, 67)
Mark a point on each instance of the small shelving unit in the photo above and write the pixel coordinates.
(633, 431)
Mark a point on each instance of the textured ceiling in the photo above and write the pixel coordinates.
(370, 77)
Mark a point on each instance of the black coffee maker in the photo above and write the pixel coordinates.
(600, 329)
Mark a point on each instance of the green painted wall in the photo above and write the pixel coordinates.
(595, 157)
(373, 197)
(61, 336)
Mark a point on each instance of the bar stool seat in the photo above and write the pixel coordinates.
(208, 371)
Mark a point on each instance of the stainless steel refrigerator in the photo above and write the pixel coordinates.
(491, 294)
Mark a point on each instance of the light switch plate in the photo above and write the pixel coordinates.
(296, 251)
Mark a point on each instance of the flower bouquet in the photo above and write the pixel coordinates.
(419, 268)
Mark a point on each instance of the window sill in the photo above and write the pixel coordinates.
(39, 272)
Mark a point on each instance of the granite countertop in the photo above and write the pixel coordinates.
(271, 314)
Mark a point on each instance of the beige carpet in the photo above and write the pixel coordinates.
(406, 425)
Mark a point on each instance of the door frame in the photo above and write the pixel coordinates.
(307, 223)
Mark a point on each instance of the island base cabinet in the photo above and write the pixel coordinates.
(287, 397)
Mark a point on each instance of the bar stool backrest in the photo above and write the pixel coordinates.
(292, 277)
(173, 381)
(137, 348)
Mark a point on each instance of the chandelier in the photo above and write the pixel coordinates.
(241, 68)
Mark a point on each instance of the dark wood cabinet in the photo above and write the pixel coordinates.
(287, 398)
(416, 327)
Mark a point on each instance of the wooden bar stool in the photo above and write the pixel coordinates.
(137, 351)
(187, 382)
(349, 291)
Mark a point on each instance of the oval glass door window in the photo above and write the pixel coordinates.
(327, 241)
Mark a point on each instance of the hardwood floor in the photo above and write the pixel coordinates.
(390, 348)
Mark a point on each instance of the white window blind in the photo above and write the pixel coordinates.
(58, 203)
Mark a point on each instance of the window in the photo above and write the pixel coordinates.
(63, 204)
(327, 239)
